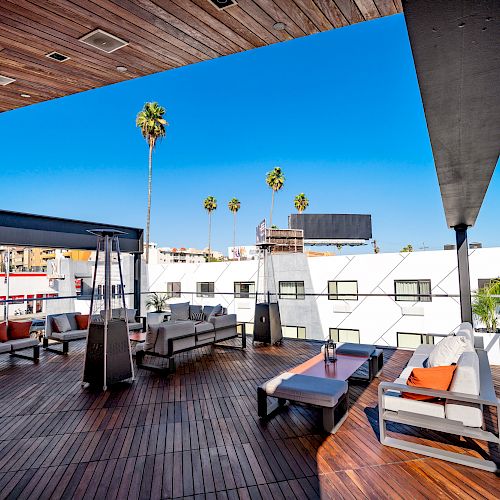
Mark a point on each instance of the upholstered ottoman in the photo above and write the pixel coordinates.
(375, 361)
(329, 394)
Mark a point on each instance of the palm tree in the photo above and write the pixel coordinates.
(301, 202)
(209, 204)
(234, 205)
(275, 180)
(152, 124)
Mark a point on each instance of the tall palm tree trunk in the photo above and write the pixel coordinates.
(234, 231)
(209, 234)
(150, 182)
(272, 208)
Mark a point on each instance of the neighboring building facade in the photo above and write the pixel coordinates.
(325, 297)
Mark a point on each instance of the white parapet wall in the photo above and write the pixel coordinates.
(379, 320)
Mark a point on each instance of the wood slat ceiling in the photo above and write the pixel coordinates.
(162, 34)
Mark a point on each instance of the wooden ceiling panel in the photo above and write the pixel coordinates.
(161, 35)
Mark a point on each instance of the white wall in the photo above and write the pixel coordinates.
(377, 318)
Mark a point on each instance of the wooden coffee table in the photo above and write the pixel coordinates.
(342, 369)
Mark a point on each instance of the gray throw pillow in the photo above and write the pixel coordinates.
(179, 312)
(130, 315)
(62, 323)
(151, 336)
(215, 310)
(207, 310)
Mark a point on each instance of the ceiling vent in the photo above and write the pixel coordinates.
(223, 4)
(56, 56)
(5, 80)
(101, 40)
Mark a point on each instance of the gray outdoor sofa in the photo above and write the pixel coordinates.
(13, 347)
(64, 338)
(459, 410)
(189, 327)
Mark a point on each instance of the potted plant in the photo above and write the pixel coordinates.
(486, 305)
(157, 302)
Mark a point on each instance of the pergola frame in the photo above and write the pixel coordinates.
(30, 230)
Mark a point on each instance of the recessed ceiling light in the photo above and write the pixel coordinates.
(56, 56)
(104, 41)
(121, 69)
(223, 4)
(279, 26)
(5, 80)
(25, 95)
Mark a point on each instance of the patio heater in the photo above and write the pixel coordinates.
(267, 321)
(108, 358)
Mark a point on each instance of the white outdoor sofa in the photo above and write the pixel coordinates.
(63, 338)
(458, 411)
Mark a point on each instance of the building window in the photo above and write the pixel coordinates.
(292, 290)
(342, 290)
(413, 340)
(244, 289)
(344, 335)
(293, 332)
(173, 289)
(205, 289)
(481, 283)
(411, 290)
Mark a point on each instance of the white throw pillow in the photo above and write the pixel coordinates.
(448, 351)
(62, 323)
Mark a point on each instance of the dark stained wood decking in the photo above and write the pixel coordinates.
(196, 434)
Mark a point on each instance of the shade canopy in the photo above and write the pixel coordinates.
(456, 49)
(20, 229)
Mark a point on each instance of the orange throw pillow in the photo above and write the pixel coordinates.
(19, 330)
(437, 377)
(3, 332)
(82, 320)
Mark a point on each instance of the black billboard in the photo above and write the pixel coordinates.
(332, 226)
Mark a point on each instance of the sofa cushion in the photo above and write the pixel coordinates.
(179, 311)
(133, 326)
(62, 323)
(151, 336)
(171, 330)
(203, 326)
(394, 402)
(82, 321)
(130, 315)
(317, 391)
(466, 330)
(205, 338)
(71, 335)
(18, 344)
(72, 320)
(18, 330)
(5, 347)
(224, 321)
(3, 332)
(438, 377)
(448, 350)
(212, 311)
(466, 381)
(365, 350)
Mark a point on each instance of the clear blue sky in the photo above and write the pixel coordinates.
(340, 112)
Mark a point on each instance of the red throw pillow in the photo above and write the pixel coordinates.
(55, 329)
(437, 377)
(3, 332)
(19, 330)
(82, 320)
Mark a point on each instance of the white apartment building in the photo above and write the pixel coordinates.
(308, 293)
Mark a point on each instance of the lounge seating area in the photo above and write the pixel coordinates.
(197, 432)
(15, 338)
(457, 406)
(189, 327)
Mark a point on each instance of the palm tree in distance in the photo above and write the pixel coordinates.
(301, 202)
(275, 180)
(152, 124)
(234, 205)
(209, 204)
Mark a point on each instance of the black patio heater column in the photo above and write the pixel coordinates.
(108, 358)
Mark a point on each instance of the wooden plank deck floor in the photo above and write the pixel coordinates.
(196, 434)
